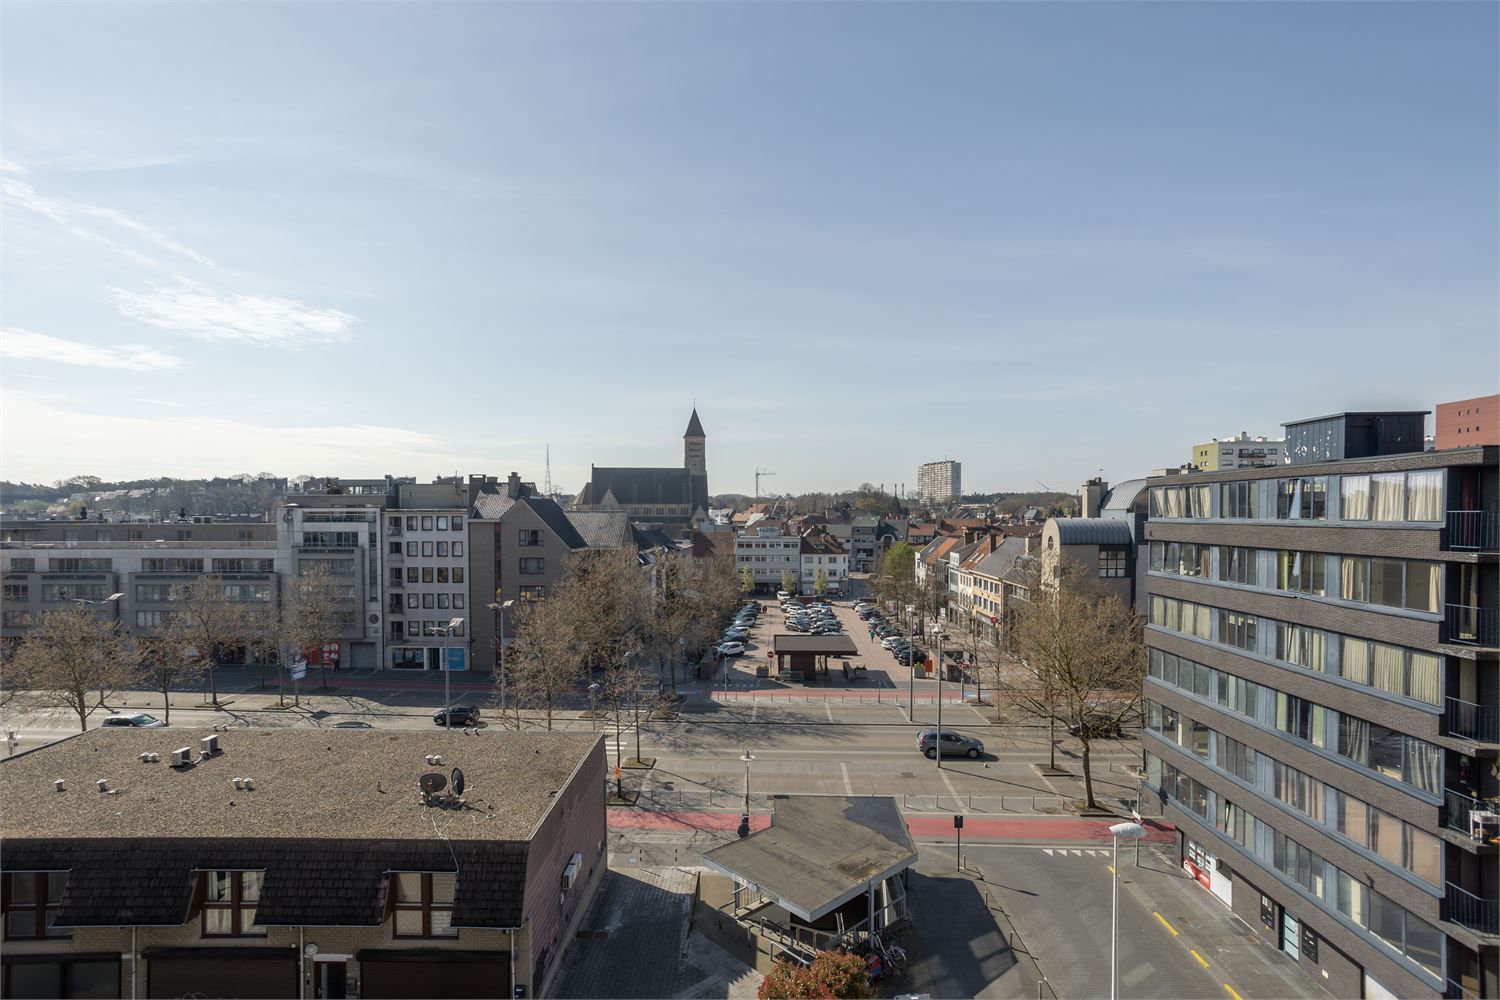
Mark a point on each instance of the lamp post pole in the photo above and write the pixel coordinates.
(99, 637)
(744, 830)
(938, 741)
(499, 610)
(444, 632)
(1130, 831)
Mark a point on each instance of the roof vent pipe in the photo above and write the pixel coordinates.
(250, 784)
(60, 785)
(102, 784)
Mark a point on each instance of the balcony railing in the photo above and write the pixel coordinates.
(1471, 911)
(1470, 625)
(1471, 721)
(1472, 529)
(1460, 807)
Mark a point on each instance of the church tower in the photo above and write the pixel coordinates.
(695, 459)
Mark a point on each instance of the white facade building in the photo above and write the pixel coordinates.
(427, 566)
(768, 553)
(939, 482)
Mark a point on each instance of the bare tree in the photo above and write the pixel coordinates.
(542, 662)
(162, 663)
(205, 616)
(1082, 659)
(311, 615)
(67, 656)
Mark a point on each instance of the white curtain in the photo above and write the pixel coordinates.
(1424, 496)
(1425, 678)
(1354, 660)
(1389, 673)
(1388, 497)
(1354, 492)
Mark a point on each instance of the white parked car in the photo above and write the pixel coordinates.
(732, 649)
(784, 595)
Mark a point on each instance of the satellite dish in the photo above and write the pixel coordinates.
(457, 779)
(432, 782)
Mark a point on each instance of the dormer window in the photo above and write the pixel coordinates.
(31, 901)
(229, 902)
(423, 904)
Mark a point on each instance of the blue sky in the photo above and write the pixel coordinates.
(1043, 239)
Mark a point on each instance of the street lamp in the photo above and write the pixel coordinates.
(99, 640)
(938, 741)
(445, 631)
(744, 830)
(1129, 831)
(499, 610)
(593, 701)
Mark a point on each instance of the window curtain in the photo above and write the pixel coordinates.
(1388, 497)
(1388, 672)
(1354, 739)
(1424, 677)
(1422, 586)
(1354, 493)
(1354, 660)
(1424, 765)
(1424, 496)
(1353, 576)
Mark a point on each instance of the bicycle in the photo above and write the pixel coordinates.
(892, 955)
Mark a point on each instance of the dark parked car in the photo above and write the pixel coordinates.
(457, 715)
(1100, 727)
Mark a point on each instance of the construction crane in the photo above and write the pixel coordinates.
(759, 474)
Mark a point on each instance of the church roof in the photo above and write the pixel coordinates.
(639, 486)
(695, 429)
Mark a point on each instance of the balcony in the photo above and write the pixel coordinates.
(1475, 818)
(1472, 529)
(1480, 723)
(1474, 912)
(1468, 625)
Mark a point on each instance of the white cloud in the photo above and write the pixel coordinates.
(199, 311)
(67, 213)
(43, 440)
(18, 343)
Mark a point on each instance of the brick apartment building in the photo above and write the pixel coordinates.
(296, 863)
(1323, 701)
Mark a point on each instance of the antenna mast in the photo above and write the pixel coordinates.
(547, 489)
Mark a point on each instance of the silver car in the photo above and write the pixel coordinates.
(951, 743)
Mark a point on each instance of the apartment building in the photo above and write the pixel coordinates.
(56, 564)
(1242, 452)
(300, 863)
(939, 484)
(768, 551)
(1321, 701)
(820, 552)
(427, 574)
(1466, 422)
(335, 526)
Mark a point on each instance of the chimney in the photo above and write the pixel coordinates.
(1091, 497)
(513, 486)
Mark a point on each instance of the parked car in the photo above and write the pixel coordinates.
(731, 649)
(796, 627)
(892, 641)
(1099, 725)
(456, 715)
(132, 720)
(784, 595)
(949, 743)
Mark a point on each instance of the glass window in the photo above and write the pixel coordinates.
(442, 522)
(1354, 819)
(1387, 920)
(411, 522)
(1424, 495)
(1424, 673)
(1424, 944)
(1385, 751)
(423, 904)
(426, 574)
(442, 574)
(1354, 660)
(1354, 498)
(1387, 577)
(1353, 898)
(1422, 587)
(427, 522)
(229, 903)
(1388, 668)
(1388, 496)
(1354, 578)
(1387, 836)
(427, 548)
(1424, 855)
(458, 549)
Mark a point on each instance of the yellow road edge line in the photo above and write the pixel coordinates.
(1201, 960)
(1164, 923)
(1230, 990)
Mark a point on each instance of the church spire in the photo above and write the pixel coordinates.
(694, 428)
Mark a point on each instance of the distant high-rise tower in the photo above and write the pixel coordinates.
(695, 459)
(938, 483)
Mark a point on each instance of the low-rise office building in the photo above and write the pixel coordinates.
(297, 863)
(427, 573)
(770, 554)
(1321, 701)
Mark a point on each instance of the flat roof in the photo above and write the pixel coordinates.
(821, 851)
(830, 644)
(309, 783)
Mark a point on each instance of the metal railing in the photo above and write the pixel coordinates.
(1469, 625)
(1474, 912)
(1457, 806)
(1472, 529)
(1471, 721)
(199, 543)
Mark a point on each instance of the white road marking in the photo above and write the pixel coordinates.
(848, 788)
(829, 709)
(951, 791)
(1048, 850)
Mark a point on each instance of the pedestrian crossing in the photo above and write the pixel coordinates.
(1063, 852)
